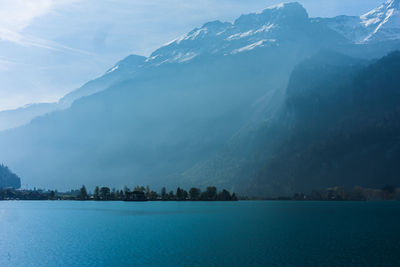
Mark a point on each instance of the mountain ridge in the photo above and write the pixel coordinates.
(379, 24)
(248, 32)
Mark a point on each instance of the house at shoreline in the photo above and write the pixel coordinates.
(135, 196)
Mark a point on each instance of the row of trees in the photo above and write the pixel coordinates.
(194, 194)
(358, 193)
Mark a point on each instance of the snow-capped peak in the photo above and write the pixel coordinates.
(272, 27)
(383, 19)
(278, 6)
(380, 24)
(248, 32)
(393, 3)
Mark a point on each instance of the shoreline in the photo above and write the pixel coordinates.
(239, 200)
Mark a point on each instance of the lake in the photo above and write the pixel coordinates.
(245, 233)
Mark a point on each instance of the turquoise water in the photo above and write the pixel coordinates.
(68, 233)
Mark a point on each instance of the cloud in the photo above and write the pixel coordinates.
(17, 15)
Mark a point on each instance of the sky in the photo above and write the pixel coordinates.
(51, 47)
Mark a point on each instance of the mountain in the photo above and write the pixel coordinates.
(338, 125)
(8, 179)
(214, 38)
(274, 26)
(377, 25)
(124, 69)
(14, 118)
(170, 114)
(21, 116)
(383, 23)
(344, 127)
(210, 107)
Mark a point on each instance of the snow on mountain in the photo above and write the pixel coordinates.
(379, 24)
(383, 22)
(348, 26)
(248, 32)
(249, 47)
(275, 26)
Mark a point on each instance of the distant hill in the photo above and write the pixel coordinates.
(8, 179)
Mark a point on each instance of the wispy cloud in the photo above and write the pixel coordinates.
(17, 15)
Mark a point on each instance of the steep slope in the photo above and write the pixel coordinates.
(21, 116)
(172, 113)
(338, 125)
(383, 23)
(125, 69)
(344, 131)
(8, 179)
(378, 25)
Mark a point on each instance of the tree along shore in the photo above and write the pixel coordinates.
(139, 193)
